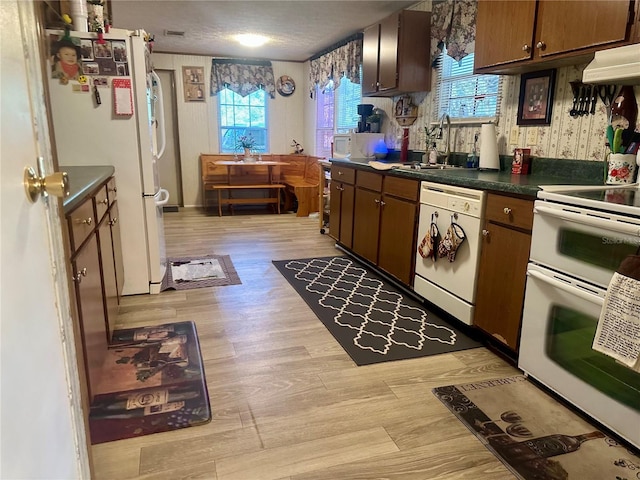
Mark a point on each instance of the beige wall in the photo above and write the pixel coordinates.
(198, 121)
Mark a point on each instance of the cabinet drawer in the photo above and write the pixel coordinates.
(342, 174)
(102, 203)
(370, 181)
(81, 223)
(112, 191)
(401, 187)
(516, 212)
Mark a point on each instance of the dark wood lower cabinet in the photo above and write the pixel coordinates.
(503, 268)
(384, 226)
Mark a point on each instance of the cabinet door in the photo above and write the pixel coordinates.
(397, 234)
(366, 224)
(388, 63)
(504, 31)
(346, 215)
(501, 282)
(117, 247)
(86, 271)
(565, 26)
(370, 49)
(335, 203)
(108, 274)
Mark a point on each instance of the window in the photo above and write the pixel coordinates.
(242, 116)
(336, 112)
(463, 95)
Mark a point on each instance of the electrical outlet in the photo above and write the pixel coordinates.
(514, 136)
(532, 136)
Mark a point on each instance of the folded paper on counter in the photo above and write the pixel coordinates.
(618, 331)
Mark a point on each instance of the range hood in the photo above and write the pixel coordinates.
(620, 66)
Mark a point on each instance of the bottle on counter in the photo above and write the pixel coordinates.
(624, 109)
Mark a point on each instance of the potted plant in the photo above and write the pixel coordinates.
(374, 121)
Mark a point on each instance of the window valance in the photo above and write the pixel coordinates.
(242, 76)
(342, 60)
(453, 23)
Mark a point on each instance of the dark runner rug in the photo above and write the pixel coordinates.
(198, 272)
(152, 381)
(368, 316)
(535, 436)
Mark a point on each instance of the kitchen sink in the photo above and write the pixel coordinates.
(438, 167)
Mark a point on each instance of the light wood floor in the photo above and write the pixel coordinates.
(288, 402)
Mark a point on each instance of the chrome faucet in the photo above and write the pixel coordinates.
(447, 151)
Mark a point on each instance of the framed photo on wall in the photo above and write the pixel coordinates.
(536, 97)
(193, 82)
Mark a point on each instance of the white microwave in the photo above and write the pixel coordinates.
(341, 145)
(355, 145)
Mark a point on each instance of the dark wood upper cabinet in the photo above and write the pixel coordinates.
(513, 36)
(395, 55)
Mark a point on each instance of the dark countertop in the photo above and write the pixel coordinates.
(82, 182)
(568, 172)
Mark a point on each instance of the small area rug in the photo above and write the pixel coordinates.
(152, 381)
(368, 316)
(535, 436)
(198, 272)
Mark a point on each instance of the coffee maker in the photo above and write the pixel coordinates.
(364, 110)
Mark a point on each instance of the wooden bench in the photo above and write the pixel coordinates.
(299, 180)
(273, 198)
(301, 176)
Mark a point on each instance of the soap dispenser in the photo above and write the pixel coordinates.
(472, 158)
(433, 154)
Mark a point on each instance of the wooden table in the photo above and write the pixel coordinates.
(271, 185)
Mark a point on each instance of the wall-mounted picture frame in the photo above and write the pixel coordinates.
(193, 82)
(536, 97)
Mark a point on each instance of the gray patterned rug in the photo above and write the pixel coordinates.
(198, 272)
(371, 319)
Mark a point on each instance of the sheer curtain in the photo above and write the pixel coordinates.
(242, 76)
(343, 60)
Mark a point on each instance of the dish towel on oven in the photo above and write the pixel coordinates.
(618, 331)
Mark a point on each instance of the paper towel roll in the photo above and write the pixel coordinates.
(489, 159)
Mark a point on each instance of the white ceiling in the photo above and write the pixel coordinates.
(298, 29)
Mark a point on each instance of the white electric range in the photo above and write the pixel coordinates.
(580, 236)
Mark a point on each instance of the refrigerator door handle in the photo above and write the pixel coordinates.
(160, 115)
(162, 197)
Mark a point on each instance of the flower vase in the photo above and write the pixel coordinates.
(247, 155)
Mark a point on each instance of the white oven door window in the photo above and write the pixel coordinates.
(583, 244)
(558, 326)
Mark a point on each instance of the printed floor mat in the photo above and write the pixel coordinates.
(535, 436)
(370, 318)
(198, 272)
(152, 381)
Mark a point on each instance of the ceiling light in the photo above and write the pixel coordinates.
(251, 40)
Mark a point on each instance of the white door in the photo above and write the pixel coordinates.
(169, 162)
(41, 427)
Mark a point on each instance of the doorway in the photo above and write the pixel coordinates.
(169, 165)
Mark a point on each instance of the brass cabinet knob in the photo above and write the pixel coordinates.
(526, 48)
(87, 221)
(506, 210)
(541, 45)
(485, 233)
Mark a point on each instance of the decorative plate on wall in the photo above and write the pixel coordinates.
(285, 85)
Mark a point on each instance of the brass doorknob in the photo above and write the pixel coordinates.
(56, 184)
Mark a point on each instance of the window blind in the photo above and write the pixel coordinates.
(466, 97)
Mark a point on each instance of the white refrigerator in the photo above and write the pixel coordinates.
(118, 126)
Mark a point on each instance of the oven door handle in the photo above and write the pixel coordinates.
(590, 221)
(567, 288)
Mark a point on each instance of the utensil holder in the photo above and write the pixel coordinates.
(621, 168)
